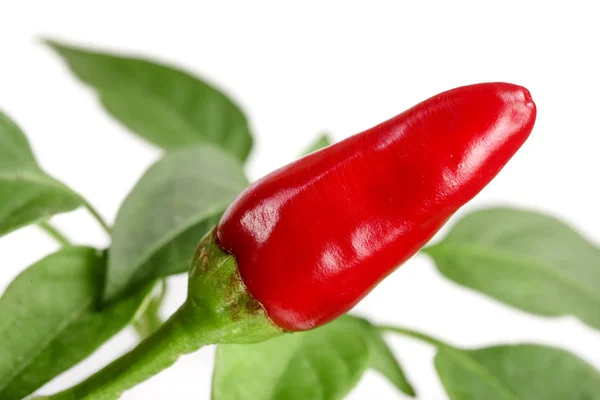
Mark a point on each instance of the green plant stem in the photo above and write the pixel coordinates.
(414, 334)
(150, 320)
(96, 215)
(218, 310)
(55, 233)
(157, 352)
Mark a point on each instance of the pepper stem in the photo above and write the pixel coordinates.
(157, 352)
(218, 310)
(54, 233)
(96, 215)
(150, 319)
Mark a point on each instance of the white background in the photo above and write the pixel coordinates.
(340, 66)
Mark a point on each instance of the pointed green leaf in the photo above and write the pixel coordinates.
(49, 320)
(325, 363)
(322, 141)
(526, 259)
(175, 203)
(382, 358)
(516, 372)
(27, 194)
(166, 106)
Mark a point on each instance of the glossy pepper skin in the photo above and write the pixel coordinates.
(314, 237)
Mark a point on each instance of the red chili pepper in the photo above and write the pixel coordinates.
(314, 237)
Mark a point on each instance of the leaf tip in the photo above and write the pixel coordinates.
(53, 44)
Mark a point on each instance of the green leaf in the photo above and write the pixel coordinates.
(516, 372)
(322, 141)
(28, 195)
(175, 203)
(166, 106)
(325, 363)
(49, 321)
(526, 259)
(382, 358)
(510, 372)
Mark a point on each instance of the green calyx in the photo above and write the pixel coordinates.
(218, 310)
(216, 291)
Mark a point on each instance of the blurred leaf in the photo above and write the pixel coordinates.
(165, 106)
(28, 195)
(322, 141)
(49, 321)
(526, 259)
(516, 372)
(175, 203)
(382, 358)
(325, 363)
(510, 372)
